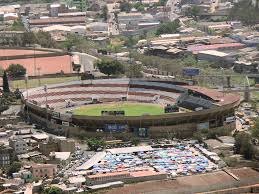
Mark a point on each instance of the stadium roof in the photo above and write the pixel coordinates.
(220, 97)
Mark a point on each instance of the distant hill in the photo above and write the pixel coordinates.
(246, 11)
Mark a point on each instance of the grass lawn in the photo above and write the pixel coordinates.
(35, 82)
(131, 109)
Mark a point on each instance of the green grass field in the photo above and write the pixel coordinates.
(131, 109)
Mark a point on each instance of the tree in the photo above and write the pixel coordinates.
(52, 190)
(161, 3)
(14, 167)
(244, 146)
(17, 26)
(104, 13)
(44, 39)
(95, 144)
(198, 136)
(125, 6)
(189, 61)
(28, 38)
(194, 12)
(169, 27)
(245, 11)
(109, 67)
(255, 129)
(134, 71)
(16, 70)
(6, 88)
(129, 41)
(135, 141)
(139, 6)
(71, 40)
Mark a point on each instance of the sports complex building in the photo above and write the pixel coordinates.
(142, 106)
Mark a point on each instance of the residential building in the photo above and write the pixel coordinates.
(43, 170)
(97, 27)
(26, 175)
(54, 21)
(60, 144)
(54, 10)
(19, 145)
(133, 19)
(67, 145)
(47, 147)
(6, 153)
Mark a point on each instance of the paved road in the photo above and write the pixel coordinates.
(172, 4)
(87, 61)
(113, 26)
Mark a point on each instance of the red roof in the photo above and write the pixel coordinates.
(126, 173)
(145, 173)
(47, 65)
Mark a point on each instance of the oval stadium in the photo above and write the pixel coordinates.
(145, 107)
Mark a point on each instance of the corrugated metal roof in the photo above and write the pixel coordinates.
(92, 161)
(130, 149)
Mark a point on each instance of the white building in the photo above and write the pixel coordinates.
(133, 19)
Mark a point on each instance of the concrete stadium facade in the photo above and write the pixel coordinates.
(216, 106)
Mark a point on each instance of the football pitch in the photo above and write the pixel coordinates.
(130, 109)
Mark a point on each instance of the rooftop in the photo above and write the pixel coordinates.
(214, 52)
(145, 173)
(57, 20)
(130, 149)
(76, 179)
(92, 161)
(109, 174)
(61, 155)
(40, 136)
(43, 165)
(198, 48)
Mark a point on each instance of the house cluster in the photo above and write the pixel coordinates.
(235, 48)
(39, 154)
(84, 18)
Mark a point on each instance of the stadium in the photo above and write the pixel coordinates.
(146, 107)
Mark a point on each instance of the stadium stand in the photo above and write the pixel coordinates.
(209, 107)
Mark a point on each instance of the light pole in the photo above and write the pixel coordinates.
(27, 96)
(38, 68)
(34, 61)
(46, 103)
